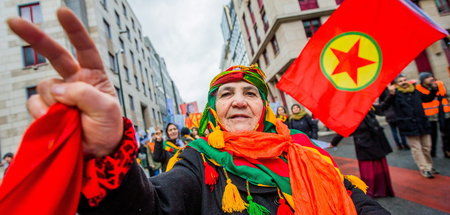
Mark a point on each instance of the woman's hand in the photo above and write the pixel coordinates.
(84, 83)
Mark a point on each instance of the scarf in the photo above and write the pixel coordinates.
(283, 118)
(409, 89)
(298, 116)
(170, 146)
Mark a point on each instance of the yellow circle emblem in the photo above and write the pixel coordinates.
(351, 61)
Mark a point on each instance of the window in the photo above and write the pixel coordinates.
(140, 34)
(140, 66)
(311, 26)
(132, 24)
(122, 45)
(246, 27)
(144, 88)
(265, 20)
(249, 7)
(131, 102)
(112, 62)
(128, 33)
(31, 91)
(308, 4)
(258, 39)
(119, 94)
(107, 29)
(124, 10)
(137, 46)
(136, 81)
(154, 114)
(30, 57)
(443, 6)
(127, 73)
(31, 12)
(132, 57)
(266, 59)
(338, 2)
(260, 3)
(117, 18)
(103, 3)
(276, 48)
(150, 93)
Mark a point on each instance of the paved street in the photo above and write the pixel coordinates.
(414, 193)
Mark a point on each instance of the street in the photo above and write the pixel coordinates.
(414, 194)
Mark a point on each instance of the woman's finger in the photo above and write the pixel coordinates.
(87, 53)
(58, 56)
(44, 90)
(36, 106)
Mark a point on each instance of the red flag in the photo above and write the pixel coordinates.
(348, 62)
(46, 174)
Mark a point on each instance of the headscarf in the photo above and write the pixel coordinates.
(252, 75)
(315, 182)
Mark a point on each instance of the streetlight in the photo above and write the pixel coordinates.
(116, 59)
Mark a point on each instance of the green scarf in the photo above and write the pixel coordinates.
(298, 116)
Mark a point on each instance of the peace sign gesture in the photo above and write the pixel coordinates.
(84, 83)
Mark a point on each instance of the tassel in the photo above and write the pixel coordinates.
(231, 200)
(211, 174)
(284, 209)
(215, 139)
(357, 182)
(255, 208)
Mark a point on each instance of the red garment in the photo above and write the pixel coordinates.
(349, 61)
(46, 174)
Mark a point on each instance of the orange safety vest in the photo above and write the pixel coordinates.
(432, 108)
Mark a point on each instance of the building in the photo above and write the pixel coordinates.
(130, 60)
(276, 31)
(233, 52)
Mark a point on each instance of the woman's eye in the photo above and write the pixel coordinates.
(251, 93)
(225, 94)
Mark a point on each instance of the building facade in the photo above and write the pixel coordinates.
(130, 61)
(275, 32)
(233, 51)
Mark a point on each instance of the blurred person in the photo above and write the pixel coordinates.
(412, 121)
(302, 121)
(372, 147)
(186, 135)
(164, 150)
(194, 133)
(7, 159)
(437, 111)
(391, 119)
(282, 114)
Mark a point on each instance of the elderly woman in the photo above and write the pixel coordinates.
(249, 164)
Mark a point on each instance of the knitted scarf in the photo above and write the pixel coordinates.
(170, 146)
(298, 116)
(409, 89)
(283, 117)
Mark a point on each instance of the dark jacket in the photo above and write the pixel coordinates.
(161, 155)
(370, 141)
(411, 119)
(305, 125)
(182, 191)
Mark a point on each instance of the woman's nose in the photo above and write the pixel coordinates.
(239, 101)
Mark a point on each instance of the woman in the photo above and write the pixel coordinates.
(186, 135)
(301, 121)
(282, 114)
(372, 146)
(164, 150)
(240, 160)
(194, 133)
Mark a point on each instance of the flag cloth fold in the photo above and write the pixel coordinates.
(52, 142)
(349, 61)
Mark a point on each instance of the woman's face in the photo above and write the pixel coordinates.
(280, 111)
(239, 106)
(194, 132)
(172, 132)
(295, 109)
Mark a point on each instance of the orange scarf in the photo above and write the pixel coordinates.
(317, 187)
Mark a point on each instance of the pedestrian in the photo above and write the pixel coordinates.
(282, 114)
(7, 159)
(194, 133)
(302, 121)
(372, 146)
(164, 150)
(156, 166)
(186, 135)
(278, 172)
(391, 119)
(412, 122)
(437, 111)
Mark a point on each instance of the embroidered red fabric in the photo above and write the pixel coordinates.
(106, 173)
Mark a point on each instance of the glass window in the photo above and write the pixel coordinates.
(128, 33)
(311, 26)
(31, 91)
(131, 102)
(31, 12)
(132, 57)
(107, 29)
(266, 59)
(127, 73)
(124, 9)
(443, 6)
(276, 48)
(30, 57)
(117, 18)
(136, 81)
(112, 62)
(308, 4)
(122, 45)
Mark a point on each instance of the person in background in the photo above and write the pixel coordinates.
(437, 111)
(372, 146)
(186, 135)
(282, 114)
(389, 113)
(164, 150)
(7, 159)
(194, 133)
(156, 166)
(412, 121)
(302, 121)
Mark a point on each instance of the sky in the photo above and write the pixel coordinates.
(187, 34)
